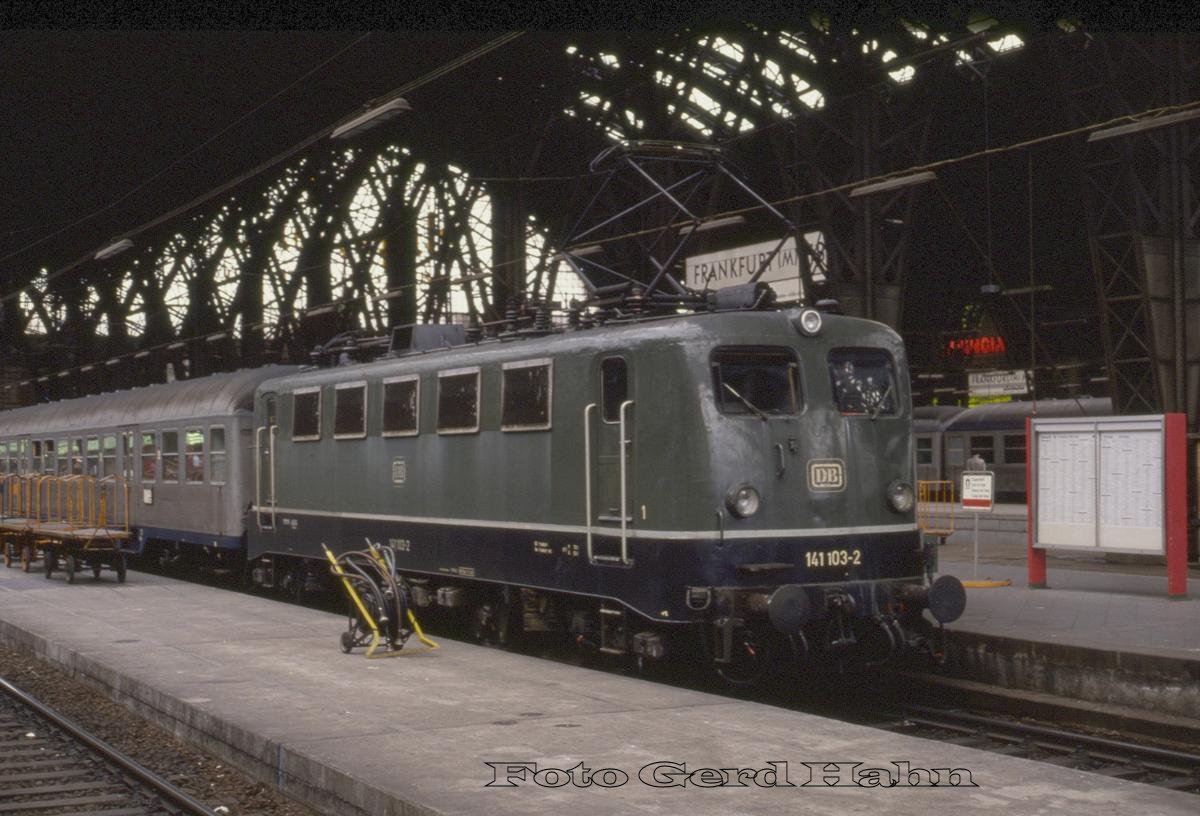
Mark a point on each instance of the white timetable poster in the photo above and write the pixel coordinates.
(1099, 485)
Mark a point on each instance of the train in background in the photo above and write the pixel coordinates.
(945, 436)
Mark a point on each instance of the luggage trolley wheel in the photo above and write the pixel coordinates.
(71, 565)
(26, 557)
(49, 561)
(119, 561)
(347, 642)
(8, 554)
(96, 567)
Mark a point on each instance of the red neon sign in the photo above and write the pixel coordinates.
(975, 346)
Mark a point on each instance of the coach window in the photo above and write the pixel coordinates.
(614, 387)
(149, 456)
(37, 456)
(350, 410)
(4, 457)
(984, 447)
(1014, 449)
(306, 414)
(170, 456)
(401, 400)
(954, 450)
(458, 401)
(193, 463)
(757, 382)
(48, 452)
(93, 456)
(525, 394)
(216, 454)
(924, 450)
(864, 381)
(76, 456)
(108, 456)
(63, 465)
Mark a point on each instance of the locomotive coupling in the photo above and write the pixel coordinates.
(945, 598)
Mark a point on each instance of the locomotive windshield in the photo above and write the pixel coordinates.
(864, 381)
(755, 381)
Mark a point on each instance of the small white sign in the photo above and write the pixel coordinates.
(147, 495)
(997, 383)
(735, 266)
(978, 491)
(399, 470)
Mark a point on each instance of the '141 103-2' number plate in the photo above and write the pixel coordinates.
(832, 558)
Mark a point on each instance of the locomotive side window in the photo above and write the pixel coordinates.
(614, 387)
(525, 396)
(1014, 449)
(458, 400)
(108, 456)
(984, 447)
(216, 454)
(306, 414)
(170, 456)
(149, 457)
(864, 381)
(193, 465)
(350, 410)
(401, 400)
(755, 381)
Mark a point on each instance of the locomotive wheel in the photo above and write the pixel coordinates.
(26, 557)
(483, 625)
(49, 562)
(71, 565)
(120, 562)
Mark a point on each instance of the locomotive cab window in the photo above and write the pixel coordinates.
(458, 401)
(350, 410)
(864, 381)
(525, 396)
(756, 381)
(401, 400)
(306, 415)
(614, 387)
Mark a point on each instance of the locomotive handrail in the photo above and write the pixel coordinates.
(624, 486)
(587, 475)
(271, 434)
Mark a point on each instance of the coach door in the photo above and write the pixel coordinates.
(609, 465)
(265, 437)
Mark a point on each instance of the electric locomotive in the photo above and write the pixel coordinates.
(742, 475)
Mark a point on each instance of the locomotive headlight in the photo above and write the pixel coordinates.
(809, 322)
(743, 501)
(900, 496)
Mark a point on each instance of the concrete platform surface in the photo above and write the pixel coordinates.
(264, 684)
(1108, 610)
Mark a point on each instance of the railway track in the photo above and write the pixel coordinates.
(1177, 770)
(49, 765)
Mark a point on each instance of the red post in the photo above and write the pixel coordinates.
(1175, 502)
(1037, 558)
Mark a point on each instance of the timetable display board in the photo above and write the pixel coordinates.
(1099, 484)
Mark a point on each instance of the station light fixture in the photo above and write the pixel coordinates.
(141, 355)
(215, 336)
(113, 249)
(370, 118)
(113, 361)
(177, 345)
(1143, 125)
(716, 223)
(583, 251)
(894, 183)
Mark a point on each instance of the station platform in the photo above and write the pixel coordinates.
(263, 685)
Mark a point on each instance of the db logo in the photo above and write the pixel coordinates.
(826, 475)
